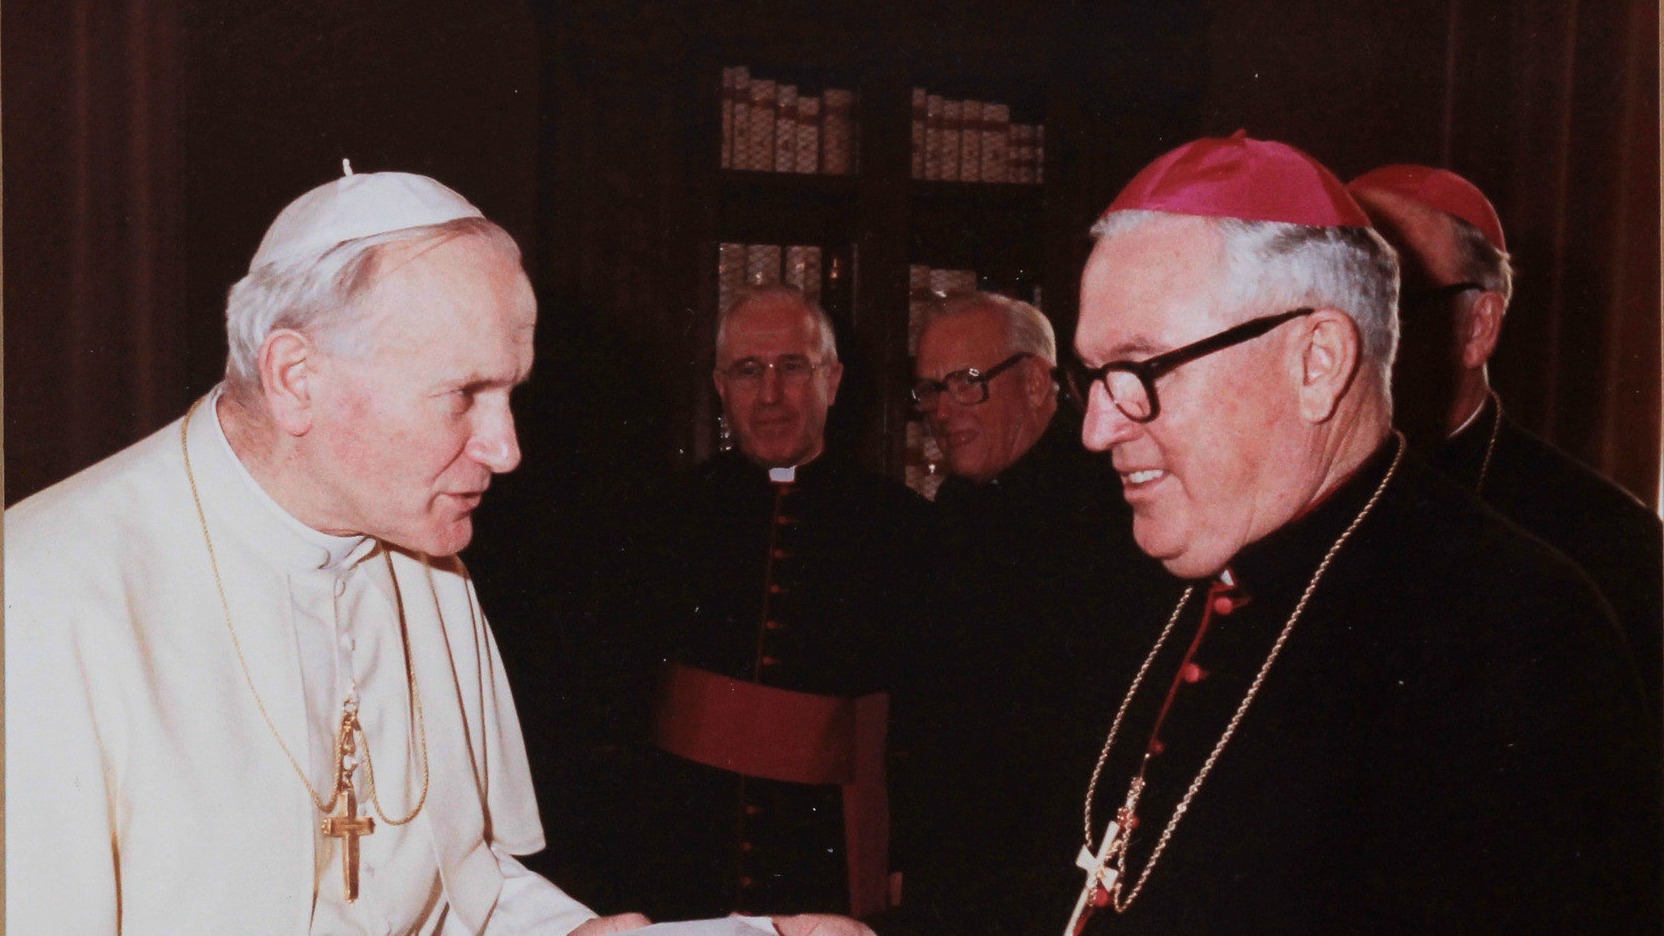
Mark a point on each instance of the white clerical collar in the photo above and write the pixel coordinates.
(784, 475)
(292, 542)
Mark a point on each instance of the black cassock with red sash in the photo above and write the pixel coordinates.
(769, 621)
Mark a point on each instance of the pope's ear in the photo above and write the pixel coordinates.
(1330, 347)
(287, 365)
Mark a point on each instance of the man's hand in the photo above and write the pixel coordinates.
(820, 924)
(618, 923)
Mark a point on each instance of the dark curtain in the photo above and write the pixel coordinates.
(93, 268)
(1552, 109)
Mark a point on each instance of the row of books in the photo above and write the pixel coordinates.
(744, 265)
(974, 141)
(769, 126)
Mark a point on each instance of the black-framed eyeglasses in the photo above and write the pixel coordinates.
(1132, 384)
(967, 387)
(1439, 294)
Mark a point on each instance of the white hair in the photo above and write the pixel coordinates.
(1481, 262)
(320, 296)
(826, 338)
(1026, 328)
(1273, 266)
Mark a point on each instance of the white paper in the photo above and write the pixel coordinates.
(726, 926)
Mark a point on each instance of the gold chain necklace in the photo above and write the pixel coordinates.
(1119, 854)
(1490, 447)
(349, 722)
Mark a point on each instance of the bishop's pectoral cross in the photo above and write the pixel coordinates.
(1100, 879)
(1103, 870)
(348, 825)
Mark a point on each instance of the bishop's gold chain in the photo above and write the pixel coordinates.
(1241, 710)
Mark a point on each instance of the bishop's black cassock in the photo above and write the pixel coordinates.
(737, 581)
(1451, 740)
(1043, 604)
(1599, 526)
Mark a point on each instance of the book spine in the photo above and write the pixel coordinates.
(933, 136)
(799, 269)
(996, 150)
(919, 100)
(762, 264)
(838, 131)
(811, 273)
(970, 143)
(808, 135)
(764, 94)
(785, 130)
(1039, 154)
(730, 274)
(740, 143)
(953, 113)
(1016, 156)
(727, 144)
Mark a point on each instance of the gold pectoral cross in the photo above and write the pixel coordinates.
(349, 825)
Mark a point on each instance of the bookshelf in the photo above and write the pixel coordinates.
(634, 201)
(886, 219)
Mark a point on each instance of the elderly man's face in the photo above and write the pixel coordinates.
(778, 418)
(410, 434)
(1429, 363)
(983, 439)
(1212, 472)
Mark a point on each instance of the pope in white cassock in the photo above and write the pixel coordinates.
(249, 688)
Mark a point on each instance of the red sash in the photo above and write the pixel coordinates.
(799, 737)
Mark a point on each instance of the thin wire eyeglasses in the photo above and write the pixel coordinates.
(968, 387)
(1132, 384)
(789, 369)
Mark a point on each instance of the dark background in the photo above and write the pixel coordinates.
(147, 143)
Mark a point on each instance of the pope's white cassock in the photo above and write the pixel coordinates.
(147, 793)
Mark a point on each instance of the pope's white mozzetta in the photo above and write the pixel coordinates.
(249, 685)
(162, 768)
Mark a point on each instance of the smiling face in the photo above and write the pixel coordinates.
(777, 421)
(1227, 460)
(405, 438)
(982, 440)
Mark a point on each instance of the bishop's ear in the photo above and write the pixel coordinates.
(1478, 328)
(1330, 348)
(287, 363)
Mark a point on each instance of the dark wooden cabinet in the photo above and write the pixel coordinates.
(635, 200)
